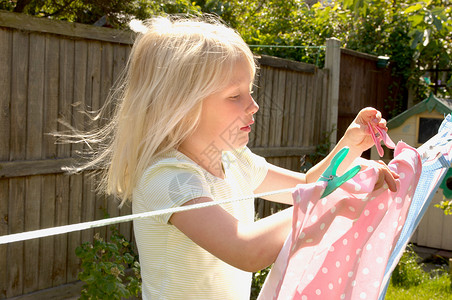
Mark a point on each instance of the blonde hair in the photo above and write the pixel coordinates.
(172, 67)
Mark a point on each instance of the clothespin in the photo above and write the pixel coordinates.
(381, 135)
(329, 175)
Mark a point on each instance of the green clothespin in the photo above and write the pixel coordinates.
(329, 175)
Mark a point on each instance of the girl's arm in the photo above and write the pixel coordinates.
(247, 246)
(357, 138)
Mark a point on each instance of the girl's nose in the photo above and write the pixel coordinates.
(253, 107)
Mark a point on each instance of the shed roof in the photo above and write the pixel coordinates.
(443, 106)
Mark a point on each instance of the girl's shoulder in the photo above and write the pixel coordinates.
(170, 165)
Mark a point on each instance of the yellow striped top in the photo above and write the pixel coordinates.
(172, 266)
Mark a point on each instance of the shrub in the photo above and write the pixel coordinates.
(408, 272)
(104, 268)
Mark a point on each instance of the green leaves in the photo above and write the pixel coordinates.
(104, 268)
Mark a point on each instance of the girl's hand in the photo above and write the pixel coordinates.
(385, 175)
(358, 134)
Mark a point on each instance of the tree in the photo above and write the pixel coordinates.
(415, 34)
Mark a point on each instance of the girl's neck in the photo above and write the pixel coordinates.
(209, 158)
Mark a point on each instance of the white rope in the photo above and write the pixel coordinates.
(23, 236)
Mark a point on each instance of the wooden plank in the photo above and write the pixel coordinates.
(5, 87)
(15, 266)
(302, 88)
(71, 29)
(32, 222)
(279, 108)
(75, 216)
(5, 119)
(289, 136)
(434, 223)
(126, 228)
(286, 64)
(88, 206)
(272, 152)
(266, 106)
(51, 95)
(4, 207)
(307, 128)
(61, 241)
(297, 111)
(76, 181)
(19, 168)
(46, 246)
(66, 90)
(19, 86)
(34, 151)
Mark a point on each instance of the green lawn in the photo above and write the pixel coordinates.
(412, 279)
(435, 288)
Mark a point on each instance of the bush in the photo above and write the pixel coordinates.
(104, 267)
(258, 282)
(408, 272)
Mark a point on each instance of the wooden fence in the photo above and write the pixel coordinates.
(362, 83)
(52, 69)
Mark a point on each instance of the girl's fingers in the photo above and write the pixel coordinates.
(388, 176)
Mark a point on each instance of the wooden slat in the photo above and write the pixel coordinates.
(75, 30)
(34, 152)
(266, 99)
(61, 241)
(66, 91)
(46, 246)
(286, 64)
(4, 207)
(16, 211)
(282, 151)
(75, 216)
(5, 119)
(19, 168)
(76, 181)
(51, 95)
(19, 87)
(5, 88)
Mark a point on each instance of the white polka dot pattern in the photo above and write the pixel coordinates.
(342, 250)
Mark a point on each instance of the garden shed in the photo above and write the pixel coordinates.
(415, 126)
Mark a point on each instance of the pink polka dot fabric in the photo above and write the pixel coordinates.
(340, 244)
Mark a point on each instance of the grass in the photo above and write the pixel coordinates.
(410, 281)
(436, 288)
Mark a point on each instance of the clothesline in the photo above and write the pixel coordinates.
(28, 235)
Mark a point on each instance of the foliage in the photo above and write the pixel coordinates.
(258, 281)
(435, 284)
(408, 272)
(104, 264)
(321, 151)
(415, 34)
(446, 206)
(108, 13)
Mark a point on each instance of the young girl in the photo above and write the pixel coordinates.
(179, 137)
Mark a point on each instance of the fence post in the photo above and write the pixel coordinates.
(333, 64)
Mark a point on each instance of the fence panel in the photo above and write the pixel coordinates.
(362, 84)
(59, 69)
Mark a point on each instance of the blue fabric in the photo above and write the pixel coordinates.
(432, 175)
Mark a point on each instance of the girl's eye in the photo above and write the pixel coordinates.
(235, 97)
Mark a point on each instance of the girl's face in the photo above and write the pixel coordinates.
(227, 115)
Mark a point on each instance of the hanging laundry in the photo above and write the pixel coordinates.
(436, 156)
(340, 244)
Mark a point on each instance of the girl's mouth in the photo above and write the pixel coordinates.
(246, 128)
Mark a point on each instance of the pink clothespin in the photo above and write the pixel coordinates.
(381, 135)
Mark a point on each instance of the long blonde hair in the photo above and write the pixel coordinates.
(172, 67)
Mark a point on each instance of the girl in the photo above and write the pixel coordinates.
(179, 137)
